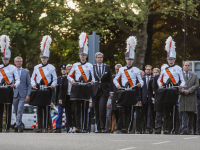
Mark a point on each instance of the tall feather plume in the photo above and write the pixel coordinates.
(131, 43)
(5, 42)
(169, 43)
(46, 42)
(82, 39)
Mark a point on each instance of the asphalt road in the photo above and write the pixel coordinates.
(92, 141)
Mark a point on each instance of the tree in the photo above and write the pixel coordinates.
(26, 21)
(133, 17)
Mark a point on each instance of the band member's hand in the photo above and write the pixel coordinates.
(160, 86)
(52, 86)
(180, 87)
(72, 82)
(111, 95)
(52, 104)
(153, 99)
(118, 87)
(13, 86)
(139, 84)
(34, 86)
(60, 101)
(27, 98)
(92, 82)
(108, 104)
(186, 92)
(90, 105)
(139, 103)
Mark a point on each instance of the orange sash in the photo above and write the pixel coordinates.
(119, 79)
(128, 77)
(82, 72)
(43, 76)
(170, 76)
(72, 74)
(161, 80)
(4, 75)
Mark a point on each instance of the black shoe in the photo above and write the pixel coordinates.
(148, 132)
(16, 129)
(103, 131)
(124, 131)
(39, 131)
(20, 131)
(119, 132)
(197, 133)
(183, 133)
(174, 132)
(158, 131)
(7, 130)
(78, 131)
(138, 132)
(191, 133)
(166, 132)
(98, 131)
(57, 130)
(46, 131)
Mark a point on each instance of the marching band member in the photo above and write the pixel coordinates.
(170, 76)
(81, 72)
(8, 79)
(44, 74)
(128, 76)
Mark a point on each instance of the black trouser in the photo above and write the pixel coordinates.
(158, 120)
(8, 115)
(100, 109)
(167, 110)
(81, 112)
(146, 110)
(138, 119)
(151, 117)
(40, 111)
(69, 112)
(187, 121)
(124, 117)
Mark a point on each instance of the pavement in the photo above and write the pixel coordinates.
(92, 141)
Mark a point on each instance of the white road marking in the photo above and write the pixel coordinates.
(131, 140)
(191, 138)
(128, 148)
(162, 142)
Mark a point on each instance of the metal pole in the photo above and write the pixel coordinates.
(185, 29)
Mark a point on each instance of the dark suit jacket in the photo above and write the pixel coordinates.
(157, 107)
(150, 90)
(106, 84)
(145, 92)
(61, 91)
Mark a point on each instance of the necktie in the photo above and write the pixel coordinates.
(147, 81)
(187, 76)
(19, 72)
(99, 71)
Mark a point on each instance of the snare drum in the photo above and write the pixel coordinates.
(80, 91)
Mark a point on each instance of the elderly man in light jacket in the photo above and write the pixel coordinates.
(188, 101)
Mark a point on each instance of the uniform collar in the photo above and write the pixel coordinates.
(129, 67)
(83, 63)
(45, 64)
(6, 65)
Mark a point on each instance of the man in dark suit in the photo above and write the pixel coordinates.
(21, 93)
(101, 90)
(145, 98)
(63, 99)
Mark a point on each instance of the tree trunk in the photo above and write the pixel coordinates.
(141, 47)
